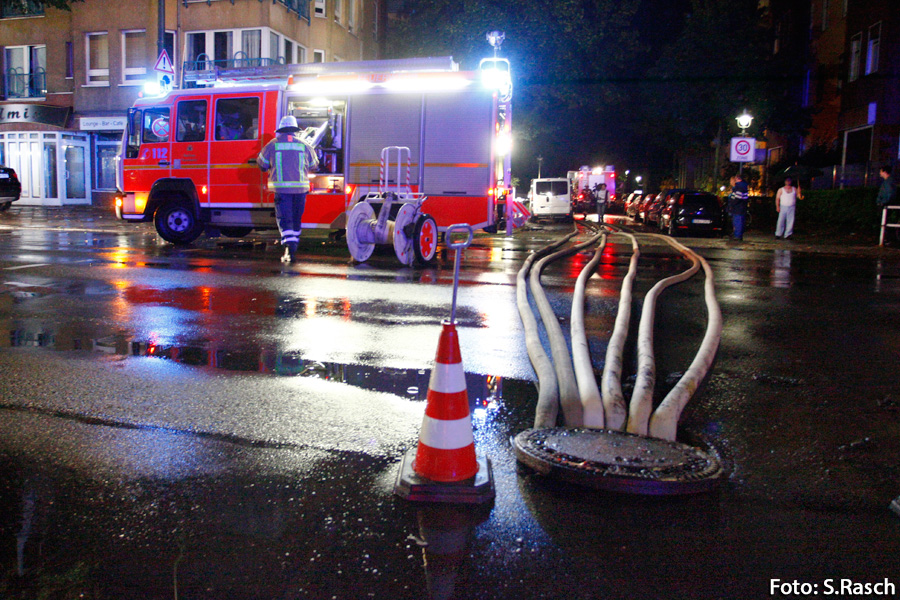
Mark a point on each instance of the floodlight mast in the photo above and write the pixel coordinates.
(495, 39)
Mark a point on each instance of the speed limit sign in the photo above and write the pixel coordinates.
(743, 149)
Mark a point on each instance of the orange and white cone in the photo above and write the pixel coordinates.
(446, 445)
(444, 467)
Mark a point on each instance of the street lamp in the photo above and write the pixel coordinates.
(743, 121)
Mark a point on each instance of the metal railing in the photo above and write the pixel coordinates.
(19, 84)
(204, 70)
(884, 224)
(301, 7)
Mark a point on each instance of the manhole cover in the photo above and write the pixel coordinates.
(618, 461)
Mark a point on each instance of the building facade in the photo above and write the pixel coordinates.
(69, 77)
(869, 119)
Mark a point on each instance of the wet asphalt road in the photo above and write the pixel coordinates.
(208, 423)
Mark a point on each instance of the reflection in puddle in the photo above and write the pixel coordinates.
(485, 391)
(781, 269)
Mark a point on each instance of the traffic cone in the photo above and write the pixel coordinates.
(446, 445)
(444, 467)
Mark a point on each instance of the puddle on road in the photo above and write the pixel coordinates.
(485, 391)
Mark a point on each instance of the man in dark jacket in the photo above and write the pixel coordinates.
(288, 159)
(737, 205)
(887, 192)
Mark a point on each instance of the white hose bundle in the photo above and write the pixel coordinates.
(548, 390)
(664, 422)
(642, 397)
(569, 398)
(611, 380)
(591, 402)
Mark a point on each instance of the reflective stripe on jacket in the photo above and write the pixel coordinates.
(287, 159)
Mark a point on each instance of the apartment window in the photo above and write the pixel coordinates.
(873, 48)
(26, 71)
(274, 45)
(288, 52)
(222, 46)
(134, 58)
(70, 60)
(301, 54)
(824, 15)
(351, 15)
(375, 20)
(338, 6)
(251, 44)
(24, 8)
(844, 8)
(318, 56)
(97, 58)
(319, 8)
(853, 67)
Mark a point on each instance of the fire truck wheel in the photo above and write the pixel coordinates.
(425, 239)
(235, 232)
(176, 222)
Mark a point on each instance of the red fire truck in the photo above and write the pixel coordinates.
(188, 158)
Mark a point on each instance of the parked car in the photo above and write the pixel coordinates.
(690, 211)
(629, 207)
(647, 201)
(652, 210)
(10, 187)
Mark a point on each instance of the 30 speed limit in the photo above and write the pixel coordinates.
(743, 149)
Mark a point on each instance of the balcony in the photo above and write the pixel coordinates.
(25, 85)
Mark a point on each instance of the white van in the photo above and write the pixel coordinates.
(551, 199)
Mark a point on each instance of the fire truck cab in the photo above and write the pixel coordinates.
(188, 160)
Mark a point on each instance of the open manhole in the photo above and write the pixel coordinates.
(618, 461)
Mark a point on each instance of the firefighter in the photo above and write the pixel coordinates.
(288, 159)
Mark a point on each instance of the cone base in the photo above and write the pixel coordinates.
(475, 490)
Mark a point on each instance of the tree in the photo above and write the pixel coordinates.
(28, 6)
(568, 59)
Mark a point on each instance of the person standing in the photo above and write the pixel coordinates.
(288, 159)
(737, 205)
(602, 196)
(785, 205)
(888, 191)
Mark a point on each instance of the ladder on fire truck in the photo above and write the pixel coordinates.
(204, 72)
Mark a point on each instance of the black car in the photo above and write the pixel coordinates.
(690, 211)
(10, 188)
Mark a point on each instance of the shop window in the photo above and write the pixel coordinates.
(105, 162)
(191, 121)
(97, 56)
(237, 119)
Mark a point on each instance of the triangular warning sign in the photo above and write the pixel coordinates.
(163, 64)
